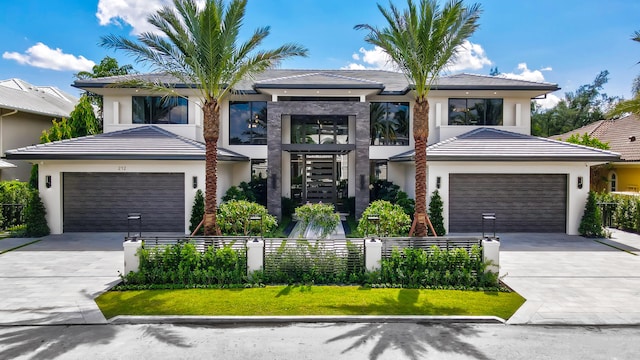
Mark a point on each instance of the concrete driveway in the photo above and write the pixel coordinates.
(55, 280)
(573, 280)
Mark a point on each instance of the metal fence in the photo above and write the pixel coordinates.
(202, 243)
(444, 243)
(607, 209)
(326, 256)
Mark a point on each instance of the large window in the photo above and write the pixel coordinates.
(319, 129)
(160, 110)
(248, 123)
(389, 123)
(475, 111)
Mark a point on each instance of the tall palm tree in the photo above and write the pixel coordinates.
(632, 105)
(422, 40)
(201, 48)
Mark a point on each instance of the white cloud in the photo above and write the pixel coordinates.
(42, 56)
(470, 57)
(534, 75)
(131, 12)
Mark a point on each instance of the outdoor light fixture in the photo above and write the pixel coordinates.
(47, 181)
(375, 219)
(361, 182)
(195, 182)
(256, 217)
(580, 182)
(438, 181)
(273, 181)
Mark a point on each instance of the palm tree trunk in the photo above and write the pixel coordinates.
(420, 135)
(211, 134)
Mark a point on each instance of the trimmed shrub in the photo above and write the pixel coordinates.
(197, 213)
(393, 220)
(435, 268)
(386, 190)
(35, 217)
(591, 223)
(322, 218)
(254, 191)
(233, 218)
(183, 264)
(435, 214)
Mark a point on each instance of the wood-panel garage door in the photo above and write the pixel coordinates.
(522, 203)
(100, 202)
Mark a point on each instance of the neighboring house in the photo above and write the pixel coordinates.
(25, 111)
(319, 135)
(623, 137)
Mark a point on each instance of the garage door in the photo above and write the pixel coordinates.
(522, 203)
(100, 202)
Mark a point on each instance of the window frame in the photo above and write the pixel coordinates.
(467, 111)
(150, 106)
(384, 139)
(252, 134)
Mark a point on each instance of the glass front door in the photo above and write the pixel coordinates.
(319, 178)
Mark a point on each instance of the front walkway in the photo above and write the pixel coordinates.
(573, 280)
(55, 280)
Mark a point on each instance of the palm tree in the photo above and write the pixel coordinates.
(632, 105)
(200, 47)
(422, 40)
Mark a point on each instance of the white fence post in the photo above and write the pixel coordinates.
(491, 252)
(373, 251)
(255, 256)
(131, 260)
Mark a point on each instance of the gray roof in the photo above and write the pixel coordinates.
(388, 82)
(489, 144)
(146, 142)
(16, 94)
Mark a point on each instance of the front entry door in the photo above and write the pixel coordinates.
(320, 178)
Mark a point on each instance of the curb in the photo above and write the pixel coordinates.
(266, 320)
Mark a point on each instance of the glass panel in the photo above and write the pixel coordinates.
(159, 110)
(259, 125)
(140, 110)
(494, 112)
(377, 113)
(378, 170)
(296, 178)
(475, 112)
(457, 112)
(342, 133)
(398, 124)
(248, 122)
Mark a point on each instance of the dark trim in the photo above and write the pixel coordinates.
(497, 158)
(497, 87)
(119, 157)
(318, 86)
(322, 148)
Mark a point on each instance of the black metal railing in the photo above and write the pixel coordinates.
(444, 243)
(607, 209)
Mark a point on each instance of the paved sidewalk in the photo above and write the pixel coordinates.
(571, 280)
(55, 280)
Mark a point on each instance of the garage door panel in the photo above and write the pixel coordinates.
(101, 201)
(522, 203)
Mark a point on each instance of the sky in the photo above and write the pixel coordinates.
(566, 42)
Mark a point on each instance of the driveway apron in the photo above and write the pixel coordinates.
(572, 280)
(55, 280)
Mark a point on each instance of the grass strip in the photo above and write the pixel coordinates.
(19, 246)
(615, 247)
(308, 300)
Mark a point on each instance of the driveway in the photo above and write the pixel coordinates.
(573, 280)
(55, 280)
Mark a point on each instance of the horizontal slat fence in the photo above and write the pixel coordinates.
(444, 243)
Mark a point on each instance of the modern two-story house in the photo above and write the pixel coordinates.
(319, 135)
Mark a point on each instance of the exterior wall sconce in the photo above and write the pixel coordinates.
(195, 182)
(361, 182)
(438, 182)
(274, 178)
(47, 181)
(580, 182)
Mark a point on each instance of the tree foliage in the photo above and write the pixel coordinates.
(35, 216)
(579, 108)
(200, 46)
(632, 105)
(586, 140)
(435, 214)
(392, 220)
(197, 213)
(591, 222)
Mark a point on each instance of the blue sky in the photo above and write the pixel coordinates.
(567, 42)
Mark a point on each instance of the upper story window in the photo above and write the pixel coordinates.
(248, 122)
(160, 110)
(319, 129)
(389, 123)
(475, 111)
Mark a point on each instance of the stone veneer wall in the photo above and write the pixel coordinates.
(275, 110)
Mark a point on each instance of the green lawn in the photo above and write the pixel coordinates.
(308, 300)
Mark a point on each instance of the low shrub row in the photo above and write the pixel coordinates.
(622, 210)
(183, 266)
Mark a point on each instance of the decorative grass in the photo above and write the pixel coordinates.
(309, 300)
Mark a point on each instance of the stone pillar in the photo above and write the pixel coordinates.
(373, 254)
(274, 158)
(491, 252)
(255, 256)
(131, 260)
(363, 134)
